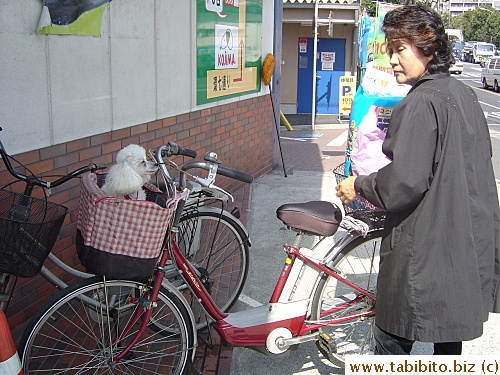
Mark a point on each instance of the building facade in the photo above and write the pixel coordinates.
(457, 7)
(319, 40)
(71, 100)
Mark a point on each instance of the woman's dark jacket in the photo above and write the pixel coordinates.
(439, 267)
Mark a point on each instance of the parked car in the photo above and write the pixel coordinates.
(458, 67)
(458, 50)
(490, 75)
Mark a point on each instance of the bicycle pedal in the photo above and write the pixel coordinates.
(326, 345)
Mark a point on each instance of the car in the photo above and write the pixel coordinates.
(458, 50)
(490, 74)
(457, 68)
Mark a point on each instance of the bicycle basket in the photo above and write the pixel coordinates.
(361, 208)
(120, 238)
(28, 230)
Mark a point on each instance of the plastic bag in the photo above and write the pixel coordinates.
(371, 111)
(367, 155)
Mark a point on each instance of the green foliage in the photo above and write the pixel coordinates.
(369, 6)
(481, 24)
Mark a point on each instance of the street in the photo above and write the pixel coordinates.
(490, 102)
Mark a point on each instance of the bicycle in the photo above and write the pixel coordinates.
(324, 294)
(229, 238)
(211, 238)
(152, 318)
(36, 222)
(168, 295)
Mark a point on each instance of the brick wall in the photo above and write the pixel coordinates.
(241, 133)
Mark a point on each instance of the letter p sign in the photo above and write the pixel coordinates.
(347, 87)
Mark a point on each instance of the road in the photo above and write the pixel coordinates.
(490, 102)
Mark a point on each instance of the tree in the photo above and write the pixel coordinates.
(370, 7)
(482, 24)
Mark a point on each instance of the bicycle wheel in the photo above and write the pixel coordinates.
(359, 263)
(73, 332)
(217, 247)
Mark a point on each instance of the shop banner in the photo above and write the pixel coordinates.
(374, 100)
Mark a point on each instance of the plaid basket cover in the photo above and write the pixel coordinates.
(119, 226)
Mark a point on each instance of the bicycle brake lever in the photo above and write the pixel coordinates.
(212, 172)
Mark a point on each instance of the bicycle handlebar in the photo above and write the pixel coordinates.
(234, 174)
(227, 172)
(172, 148)
(34, 180)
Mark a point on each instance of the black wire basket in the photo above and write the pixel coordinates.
(28, 230)
(360, 208)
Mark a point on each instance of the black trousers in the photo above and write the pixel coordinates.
(389, 344)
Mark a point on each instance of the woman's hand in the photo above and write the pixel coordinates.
(345, 190)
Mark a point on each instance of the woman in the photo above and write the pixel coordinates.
(439, 255)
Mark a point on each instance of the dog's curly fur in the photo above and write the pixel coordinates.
(129, 174)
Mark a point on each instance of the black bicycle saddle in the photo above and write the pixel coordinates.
(320, 218)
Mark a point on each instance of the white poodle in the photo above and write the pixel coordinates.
(131, 171)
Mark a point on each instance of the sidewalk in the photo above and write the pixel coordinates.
(312, 155)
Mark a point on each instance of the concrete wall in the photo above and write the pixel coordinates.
(68, 101)
(59, 88)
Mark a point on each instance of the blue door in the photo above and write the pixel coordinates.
(330, 66)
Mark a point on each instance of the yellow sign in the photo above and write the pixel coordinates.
(230, 81)
(347, 89)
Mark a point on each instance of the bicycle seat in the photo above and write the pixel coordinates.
(317, 217)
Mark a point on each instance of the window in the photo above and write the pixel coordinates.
(492, 63)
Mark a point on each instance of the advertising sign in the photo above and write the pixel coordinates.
(228, 48)
(327, 60)
(347, 89)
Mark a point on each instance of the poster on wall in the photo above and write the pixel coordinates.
(228, 48)
(72, 17)
(327, 60)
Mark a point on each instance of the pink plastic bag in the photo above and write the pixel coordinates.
(367, 156)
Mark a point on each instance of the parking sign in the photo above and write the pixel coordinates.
(347, 89)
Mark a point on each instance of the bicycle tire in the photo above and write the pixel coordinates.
(359, 263)
(70, 335)
(217, 246)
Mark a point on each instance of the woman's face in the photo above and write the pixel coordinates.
(408, 62)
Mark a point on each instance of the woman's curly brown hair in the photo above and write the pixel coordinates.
(423, 27)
